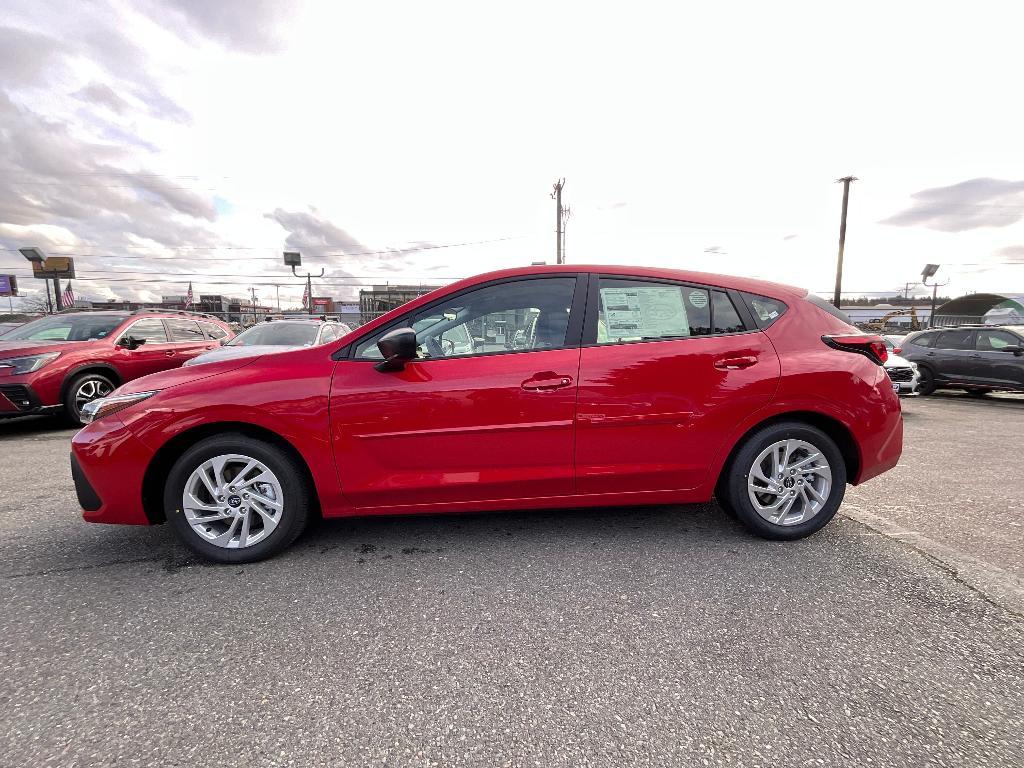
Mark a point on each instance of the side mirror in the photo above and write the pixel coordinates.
(398, 347)
(130, 342)
(1017, 349)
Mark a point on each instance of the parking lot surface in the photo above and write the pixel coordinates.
(655, 636)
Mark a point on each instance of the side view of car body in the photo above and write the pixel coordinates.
(60, 362)
(607, 385)
(977, 359)
(275, 336)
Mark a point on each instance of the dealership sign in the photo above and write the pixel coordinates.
(54, 266)
(8, 285)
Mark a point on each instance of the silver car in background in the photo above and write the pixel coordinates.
(903, 373)
(273, 336)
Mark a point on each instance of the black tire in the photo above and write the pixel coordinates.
(73, 403)
(977, 392)
(292, 478)
(926, 380)
(734, 497)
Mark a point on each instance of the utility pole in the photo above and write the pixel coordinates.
(255, 319)
(58, 299)
(561, 216)
(293, 259)
(842, 239)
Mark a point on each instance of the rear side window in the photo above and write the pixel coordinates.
(956, 340)
(214, 331)
(924, 340)
(995, 341)
(826, 306)
(724, 315)
(766, 311)
(185, 330)
(635, 310)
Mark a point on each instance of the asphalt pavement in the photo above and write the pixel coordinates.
(642, 636)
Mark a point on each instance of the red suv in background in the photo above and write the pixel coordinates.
(563, 386)
(61, 362)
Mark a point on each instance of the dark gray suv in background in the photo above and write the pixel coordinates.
(976, 358)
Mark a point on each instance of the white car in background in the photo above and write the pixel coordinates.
(902, 372)
(272, 336)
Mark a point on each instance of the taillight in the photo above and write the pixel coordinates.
(897, 350)
(871, 346)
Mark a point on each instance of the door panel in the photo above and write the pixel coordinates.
(991, 365)
(951, 357)
(187, 339)
(151, 357)
(652, 415)
(461, 429)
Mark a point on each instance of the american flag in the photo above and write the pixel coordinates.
(305, 297)
(188, 296)
(67, 299)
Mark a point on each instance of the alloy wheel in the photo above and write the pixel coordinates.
(233, 501)
(789, 482)
(90, 390)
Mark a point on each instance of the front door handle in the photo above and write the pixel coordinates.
(735, 363)
(169, 353)
(546, 382)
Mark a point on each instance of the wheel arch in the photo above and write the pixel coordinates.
(835, 429)
(103, 369)
(160, 465)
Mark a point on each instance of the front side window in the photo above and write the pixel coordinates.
(995, 341)
(150, 330)
(636, 310)
(516, 316)
(956, 340)
(185, 330)
(74, 327)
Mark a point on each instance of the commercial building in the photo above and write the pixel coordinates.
(375, 301)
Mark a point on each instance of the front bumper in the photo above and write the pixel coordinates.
(111, 464)
(904, 380)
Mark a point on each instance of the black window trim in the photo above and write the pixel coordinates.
(573, 331)
(594, 306)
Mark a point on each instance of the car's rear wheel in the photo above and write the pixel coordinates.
(235, 499)
(785, 482)
(925, 381)
(82, 390)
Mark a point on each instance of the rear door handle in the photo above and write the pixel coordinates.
(169, 353)
(545, 382)
(735, 363)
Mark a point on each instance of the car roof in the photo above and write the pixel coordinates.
(749, 284)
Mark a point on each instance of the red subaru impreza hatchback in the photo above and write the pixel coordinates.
(546, 387)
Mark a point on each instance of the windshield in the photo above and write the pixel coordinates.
(277, 334)
(78, 327)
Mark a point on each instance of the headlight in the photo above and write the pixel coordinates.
(104, 406)
(29, 363)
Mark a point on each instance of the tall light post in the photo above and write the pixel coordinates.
(837, 296)
(293, 259)
(929, 271)
(36, 256)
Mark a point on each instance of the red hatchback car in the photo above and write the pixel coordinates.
(545, 387)
(61, 362)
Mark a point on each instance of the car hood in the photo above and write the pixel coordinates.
(895, 361)
(176, 376)
(233, 353)
(22, 348)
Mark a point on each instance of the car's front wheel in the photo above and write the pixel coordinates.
(81, 391)
(785, 482)
(235, 499)
(926, 381)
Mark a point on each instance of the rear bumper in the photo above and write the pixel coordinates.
(108, 464)
(881, 442)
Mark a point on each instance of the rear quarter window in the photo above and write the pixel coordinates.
(765, 310)
(924, 340)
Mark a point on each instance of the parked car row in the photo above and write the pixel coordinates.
(60, 363)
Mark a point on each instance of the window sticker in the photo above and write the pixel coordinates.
(699, 299)
(648, 311)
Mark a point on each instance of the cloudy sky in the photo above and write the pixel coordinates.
(163, 140)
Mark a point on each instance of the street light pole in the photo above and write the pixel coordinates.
(293, 259)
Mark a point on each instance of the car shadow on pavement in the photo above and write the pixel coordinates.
(26, 425)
